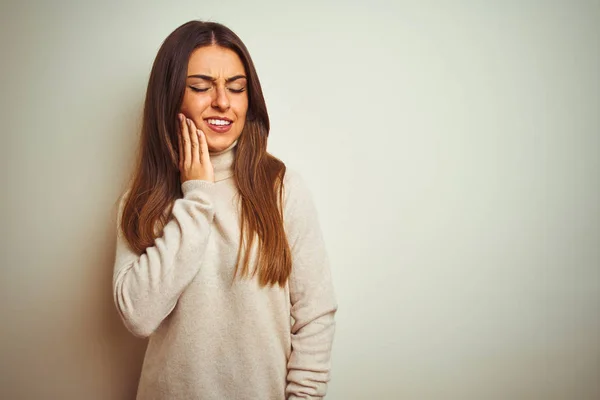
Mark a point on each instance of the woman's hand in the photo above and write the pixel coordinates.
(194, 161)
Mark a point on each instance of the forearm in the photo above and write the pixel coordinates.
(309, 365)
(147, 287)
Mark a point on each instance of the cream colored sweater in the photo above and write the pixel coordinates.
(210, 339)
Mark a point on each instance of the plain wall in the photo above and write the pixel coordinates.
(452, 148)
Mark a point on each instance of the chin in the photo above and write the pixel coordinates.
(220, 144)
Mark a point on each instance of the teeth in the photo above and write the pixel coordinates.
(218, 122)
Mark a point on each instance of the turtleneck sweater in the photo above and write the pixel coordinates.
(213, 337)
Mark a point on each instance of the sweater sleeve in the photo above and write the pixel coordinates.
(313, 301)
(146, 287)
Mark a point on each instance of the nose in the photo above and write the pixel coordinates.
(221, 99)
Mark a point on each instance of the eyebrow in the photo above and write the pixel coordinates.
(210, 78)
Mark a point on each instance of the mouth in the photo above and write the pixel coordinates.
(218, 124)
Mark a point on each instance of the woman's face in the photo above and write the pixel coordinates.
(215, 96)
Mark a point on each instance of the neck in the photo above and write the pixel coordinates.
(222, 162)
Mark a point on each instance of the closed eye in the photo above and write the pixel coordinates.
(200, 90)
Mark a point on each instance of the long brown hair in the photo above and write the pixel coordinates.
(155, 183)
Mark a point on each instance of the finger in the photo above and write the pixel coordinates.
(187, 151)
(180, 139)
(204, 155)
(194, 143)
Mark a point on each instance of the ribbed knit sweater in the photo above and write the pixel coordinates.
(212, 337)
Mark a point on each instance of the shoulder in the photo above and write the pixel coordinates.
(295, 186)
(298, 200)
(122, 198)
(120, 204)
(301, 217)
(292, 177)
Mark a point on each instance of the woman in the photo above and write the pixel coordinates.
(220, 259)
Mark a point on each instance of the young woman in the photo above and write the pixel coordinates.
(220, 259)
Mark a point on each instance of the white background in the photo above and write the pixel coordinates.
(452, 148)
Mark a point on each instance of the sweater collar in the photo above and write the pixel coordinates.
(222, 162)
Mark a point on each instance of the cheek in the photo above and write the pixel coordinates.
(194, 104)
(241, 108)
